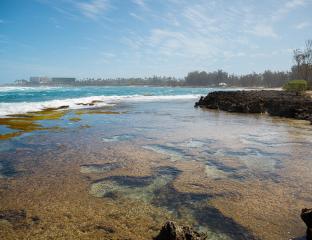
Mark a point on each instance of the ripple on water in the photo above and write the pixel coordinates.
(173, 153)
(6, 169)
(272, 140)
(5, 146)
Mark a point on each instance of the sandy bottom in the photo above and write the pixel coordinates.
(121, 176)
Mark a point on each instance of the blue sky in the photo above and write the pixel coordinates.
(125, 38)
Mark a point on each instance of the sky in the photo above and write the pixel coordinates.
(141, 38)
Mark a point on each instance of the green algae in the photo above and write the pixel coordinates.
(84, 126)
(75, 119)
(29, 122)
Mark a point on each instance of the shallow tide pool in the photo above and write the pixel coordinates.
(121, 176)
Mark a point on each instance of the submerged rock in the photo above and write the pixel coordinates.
(18, 218)
(172, 231)
(306, 216)
(15, 217)
(276, 103)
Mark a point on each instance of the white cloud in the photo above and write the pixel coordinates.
(198, 16)
(140, 3)
(303, 25)
(136, 16)
(287, 8)
(263, 30)
(93, 9)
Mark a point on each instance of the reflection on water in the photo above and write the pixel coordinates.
(233, 176)
(118, 138)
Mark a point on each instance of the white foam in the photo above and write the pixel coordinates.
(21, 89)
(75, 103)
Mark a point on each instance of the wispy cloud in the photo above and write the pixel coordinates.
(287, 8)
(263, 30)
(136, 16)
(303, 25)
(93, 9)
(1, 21)
(140, 3)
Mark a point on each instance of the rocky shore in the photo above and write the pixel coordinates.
(306, 216)
(172, 231)
(275, 103)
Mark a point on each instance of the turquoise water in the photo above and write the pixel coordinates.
(15, 100)
(38, 94)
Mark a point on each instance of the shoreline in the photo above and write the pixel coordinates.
(153, 86)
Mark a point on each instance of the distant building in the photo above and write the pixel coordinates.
(34, 80)
(39, 80)
(44, 80)
(63, 81)
(21, 82)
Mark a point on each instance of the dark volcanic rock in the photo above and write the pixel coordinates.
(171, 231)
(276, 103)
(306, 215)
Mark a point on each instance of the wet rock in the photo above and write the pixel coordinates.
(276, 103)
(57, 108)
(306, 216)
(35, 219)
(105, 229)
(16, 217)
(172, 231)
(99, 227)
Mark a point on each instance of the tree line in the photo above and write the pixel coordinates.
(266, 79)
(302, 70)
(271, 79)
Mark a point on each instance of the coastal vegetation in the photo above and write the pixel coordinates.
(297, 86)
(271, 79)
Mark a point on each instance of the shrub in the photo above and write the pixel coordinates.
(296, 86)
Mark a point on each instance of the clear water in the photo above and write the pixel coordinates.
(233, 176)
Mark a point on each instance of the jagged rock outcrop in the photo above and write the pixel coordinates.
(276, 103)
(306, 216)
(172, 231)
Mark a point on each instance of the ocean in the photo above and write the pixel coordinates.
(15, 100)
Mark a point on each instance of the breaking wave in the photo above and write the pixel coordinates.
(78, 103)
